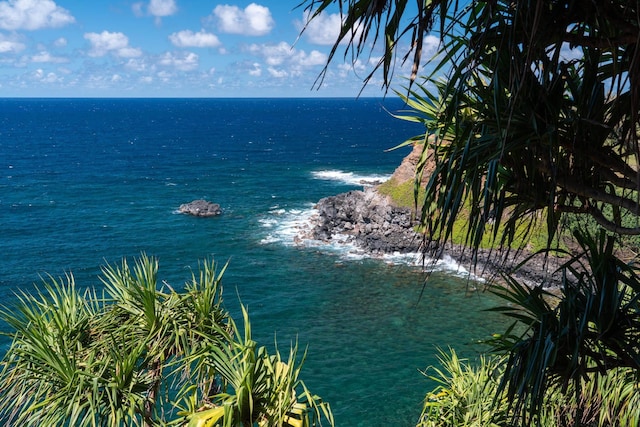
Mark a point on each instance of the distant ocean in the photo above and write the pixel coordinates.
(84, 182)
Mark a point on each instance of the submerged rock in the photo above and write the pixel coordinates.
(200, 208)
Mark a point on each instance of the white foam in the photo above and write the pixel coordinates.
(419, 259)
(293, 227)
(448, 263)
(286, 226)
(268, 222)
(350, 178)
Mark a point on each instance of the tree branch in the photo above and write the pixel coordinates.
(610, 225)
(567, 183)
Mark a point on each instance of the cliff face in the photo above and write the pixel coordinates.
(407, 169)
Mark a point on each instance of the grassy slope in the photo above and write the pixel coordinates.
(402, 194)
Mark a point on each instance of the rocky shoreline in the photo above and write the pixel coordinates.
(370, 221)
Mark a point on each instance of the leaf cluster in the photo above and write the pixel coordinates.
(365, 23)
(536, 120)
(521, 125)
(468, 395)
(587, 331)
(138, 353)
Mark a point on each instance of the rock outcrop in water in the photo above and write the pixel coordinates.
(200, 208)
(369, 220)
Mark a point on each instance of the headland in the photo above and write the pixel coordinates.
(371, 221)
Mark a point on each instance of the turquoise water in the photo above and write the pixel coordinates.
(84, 182)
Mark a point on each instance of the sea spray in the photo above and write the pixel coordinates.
(350, 178)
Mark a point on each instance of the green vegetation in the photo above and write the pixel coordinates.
(531, 116)
(532, 237)
(468, 396)
(465, 394)
(144, 354)
(402, 194)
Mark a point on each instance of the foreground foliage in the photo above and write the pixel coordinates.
(587, 332)
(531, 116)
(143, 354)
(571, 358)
(468, 395)
(536, 107)
(465, 393)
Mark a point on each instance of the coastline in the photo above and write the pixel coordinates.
(369, 221)
(375, 225)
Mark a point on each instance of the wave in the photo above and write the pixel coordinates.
(287, 226)
(293, 227)
(445, 264)
(349, 178)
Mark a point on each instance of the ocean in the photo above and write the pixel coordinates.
(84, 182)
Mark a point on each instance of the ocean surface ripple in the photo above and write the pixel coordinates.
(84, 182)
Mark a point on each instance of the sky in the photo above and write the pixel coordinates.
(173, 48)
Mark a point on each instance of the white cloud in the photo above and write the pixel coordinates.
(284, 53)
(279, 74)
(129, 52)
(40, 75)
(161, 8)
(324, 29)
(357, 66)
(32, 15)
(188, 38)
(157, 8)
(256, 71)
(183, 61)
(165, 76)
(108, 42)
(430, 46)
(137, 64)
(10, 44)
(273, 54)
(44, 56)
(314, 58)
(60, 42)
(253, 20)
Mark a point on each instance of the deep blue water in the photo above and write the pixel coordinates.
(89, 181)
